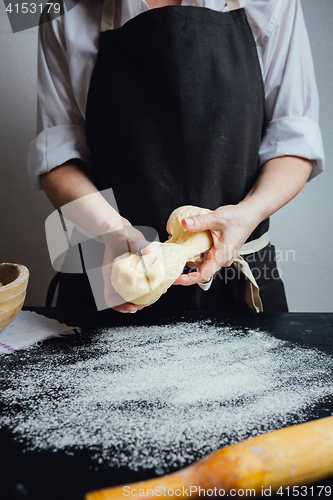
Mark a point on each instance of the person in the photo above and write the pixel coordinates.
(179, 102)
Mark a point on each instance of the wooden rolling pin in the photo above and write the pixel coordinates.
(293, 456)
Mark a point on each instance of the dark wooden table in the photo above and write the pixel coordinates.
(36, 475)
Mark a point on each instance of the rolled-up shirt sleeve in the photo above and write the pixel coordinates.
(292, 104)
(61, 134)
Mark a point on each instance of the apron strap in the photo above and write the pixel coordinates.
(233, 4)
(255, 245)
(109, 11)
(252, 296)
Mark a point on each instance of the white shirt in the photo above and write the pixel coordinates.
(67, 53)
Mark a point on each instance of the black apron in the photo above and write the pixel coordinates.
(175, 116)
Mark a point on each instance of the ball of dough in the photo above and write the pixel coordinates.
(142, 279)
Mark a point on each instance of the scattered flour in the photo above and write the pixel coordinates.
(160, 397)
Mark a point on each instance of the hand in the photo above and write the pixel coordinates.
(230, 227)
(117, 243)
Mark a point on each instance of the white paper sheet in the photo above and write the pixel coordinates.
(30, 328)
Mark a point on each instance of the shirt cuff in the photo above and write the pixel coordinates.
(294, 136)
(53, 147)
(206, 286)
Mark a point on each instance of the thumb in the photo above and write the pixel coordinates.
(136, 241)
(139, 245)
(200, 222)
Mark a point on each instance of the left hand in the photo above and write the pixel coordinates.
(279, 180)
(117, 243)
(230, 227)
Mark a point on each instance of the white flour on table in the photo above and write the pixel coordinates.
(161, 396)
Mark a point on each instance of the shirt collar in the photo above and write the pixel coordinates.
(132, 8)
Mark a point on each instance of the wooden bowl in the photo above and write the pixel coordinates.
(14, 279)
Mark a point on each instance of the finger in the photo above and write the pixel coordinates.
(197, 263)
(150, 303)
(209, 268)
(191, 279)
(213, 263)
(201, 222)
(192, 265)
(116, 302)
(136, 245)
(140, 246)
(111, 297)
(135, 240)
(126, 308)
(147, 248)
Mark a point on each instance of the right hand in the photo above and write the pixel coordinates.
(117, 243)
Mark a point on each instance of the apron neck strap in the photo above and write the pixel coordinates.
(233, 4)
(109, 11)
